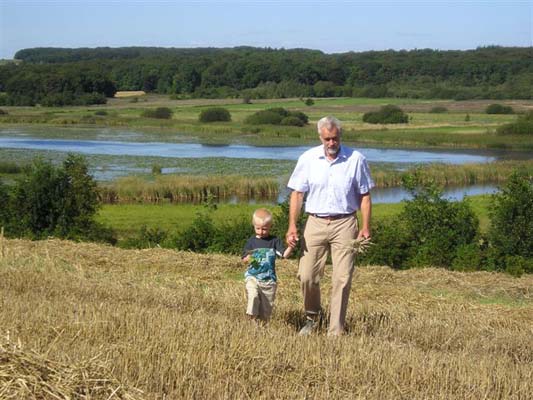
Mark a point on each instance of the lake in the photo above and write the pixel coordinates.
(135, 144)
(195, 150)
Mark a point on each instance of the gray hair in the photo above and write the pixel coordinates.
(329, 123)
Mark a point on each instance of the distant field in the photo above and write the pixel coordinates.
(465, 125)
(129, 93)
(154, 324)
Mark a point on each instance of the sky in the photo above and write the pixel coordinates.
(329, 26)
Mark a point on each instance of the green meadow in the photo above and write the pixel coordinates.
(127, 219)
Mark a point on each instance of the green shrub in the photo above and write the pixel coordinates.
(264, 117)
(147, 238)
(511, 220)
(214, 114)
(292, 121)
(100, 113)
(438, 110)
(279, 110)
(300, 115)
(5, 210)
(230, 236)
(388, 114)
(277, 116)
(523, 126)
(156, 169)
(498, 109)
(430, 231)
(309, 102)
(160, 113)
(3, 112)
(8, 167)
(468, 257)
(59, 201)
(198, 236)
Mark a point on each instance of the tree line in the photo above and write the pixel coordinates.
(487, 72)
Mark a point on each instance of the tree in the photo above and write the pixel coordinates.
(58, 201)
(511, 228)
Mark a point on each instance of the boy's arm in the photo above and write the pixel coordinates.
(288, 251)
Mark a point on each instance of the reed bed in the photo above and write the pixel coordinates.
(171, 325)
(455, 175)
(190, 189)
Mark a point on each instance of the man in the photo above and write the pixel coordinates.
(337, 182)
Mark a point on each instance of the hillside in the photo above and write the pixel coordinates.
(82, 76)
(149, 324)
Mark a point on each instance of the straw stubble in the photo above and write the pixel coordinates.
(164, 324)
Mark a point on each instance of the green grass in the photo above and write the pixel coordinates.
(127, 219)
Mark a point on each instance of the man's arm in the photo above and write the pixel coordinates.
(295, 207)
(366, 215)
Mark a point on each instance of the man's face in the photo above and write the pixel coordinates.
(331, 141)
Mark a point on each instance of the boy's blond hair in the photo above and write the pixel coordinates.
(262, 216)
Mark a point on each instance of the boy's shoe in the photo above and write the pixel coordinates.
(310, 326)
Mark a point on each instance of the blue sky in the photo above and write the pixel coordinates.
(330, 26)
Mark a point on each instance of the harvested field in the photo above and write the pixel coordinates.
(129, 93)
(92, 321)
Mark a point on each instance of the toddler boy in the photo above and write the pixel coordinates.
(260, 254)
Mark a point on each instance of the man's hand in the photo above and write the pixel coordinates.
(366, 214)
(295, 206)
(292, 236)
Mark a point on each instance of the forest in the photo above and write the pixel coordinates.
(62, 76)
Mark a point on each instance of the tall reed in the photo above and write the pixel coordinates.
(180, 188)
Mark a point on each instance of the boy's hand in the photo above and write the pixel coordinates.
(246, 259)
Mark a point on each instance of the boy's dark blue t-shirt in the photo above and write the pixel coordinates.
(263, 252)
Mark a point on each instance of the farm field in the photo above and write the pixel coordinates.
(103, 323)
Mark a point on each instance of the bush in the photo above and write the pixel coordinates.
(147, 238)
(300, 115)
(309, 102)
(5, 212)
(3, 112)
(160, 113)
(438, 110)
(498, 109)
(277, 116)
(430, 231)
(156, 169)
(100, 113)
(58, 201)
(386, 115)
(198, 236)
(292, 121)
(230, 236)
(214, 114)
(523, 126)
(264, 117)
(511, 216)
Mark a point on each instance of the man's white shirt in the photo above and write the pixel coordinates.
(332, 187)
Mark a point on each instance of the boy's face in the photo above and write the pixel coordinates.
(262, 229)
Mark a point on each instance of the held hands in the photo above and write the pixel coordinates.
(292, 237)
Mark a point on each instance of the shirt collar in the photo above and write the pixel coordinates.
(340, 155)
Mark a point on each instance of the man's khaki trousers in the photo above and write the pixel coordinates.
(319, 238)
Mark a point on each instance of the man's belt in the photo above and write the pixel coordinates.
(331, 217)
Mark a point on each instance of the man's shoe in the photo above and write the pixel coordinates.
(310, 326)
